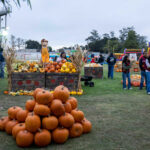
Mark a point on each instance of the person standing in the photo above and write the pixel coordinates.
(2, 63)
(62, 57)
(92, 58)
(111, 60)
(126, 65)
(101, 59)
(142, 64)
(148, 75)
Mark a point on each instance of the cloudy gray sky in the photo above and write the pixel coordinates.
(68, 22)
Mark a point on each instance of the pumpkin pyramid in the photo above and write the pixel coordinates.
(48, 117)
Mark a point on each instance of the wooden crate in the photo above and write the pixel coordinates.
(95, 72)
(66, 79)
(27, 81)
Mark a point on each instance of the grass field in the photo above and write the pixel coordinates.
(121, 119)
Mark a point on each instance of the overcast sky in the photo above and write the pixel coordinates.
(69, 22)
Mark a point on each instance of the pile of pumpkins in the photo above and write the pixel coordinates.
(47, 118)
(60, 67)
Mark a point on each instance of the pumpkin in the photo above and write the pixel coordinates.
(12, 112)
(30, 105)
(57, 108)
(44, 97)
(42, 138)
(60, 135)
(36, 91)
(41, 110)
(54, 63)
(73, 101)
(68, 107)
(76, 130)
(33, 123)
(61, 93)
(17, 128)
(22, 115)
(3, 122)
(24, 138)
(66, 120)
(78, 115)
(87, 126)
(50, 123)
(9, 126)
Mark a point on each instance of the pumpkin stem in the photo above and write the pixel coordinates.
(14, 107)
(20, 124)
(39, 130)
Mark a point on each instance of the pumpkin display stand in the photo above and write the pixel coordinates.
(93, 70)
(47, 117)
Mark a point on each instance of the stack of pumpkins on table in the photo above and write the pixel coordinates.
(47, 118)
(135, 80)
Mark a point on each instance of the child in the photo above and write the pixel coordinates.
(126, 65)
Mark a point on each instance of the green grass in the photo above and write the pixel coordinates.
(121, 119)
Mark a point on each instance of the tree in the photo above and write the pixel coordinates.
(94, 37)
(50, 48)
(19, 42)
(17, 2)
(142, 40)
(132, 40)
(13, 41)
(31, 44)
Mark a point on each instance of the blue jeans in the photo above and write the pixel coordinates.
(148, 81)
(125, 76)
(143, 77)
(110, 71)
(2, 66)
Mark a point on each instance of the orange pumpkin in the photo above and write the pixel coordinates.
(73, 101)
(61, 93)
(24, 138)
(66, 120)
(22, 115)
(60, 135)
(41, 110)
(87, 126)
(33, 123)
(36, 91)
(30, 105)
(17, 128)
(78, 115)
(44, 97)
(76, 130)
(9, 126)
(12, 112)
(3, 122)
(42, 138)
(50, 123)
(57, 108)
(68, 107)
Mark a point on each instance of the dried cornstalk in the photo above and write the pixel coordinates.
(9, 55)
(76, 60)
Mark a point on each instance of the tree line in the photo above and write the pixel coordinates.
(108, 42)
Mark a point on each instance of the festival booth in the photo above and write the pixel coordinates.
(25, 77)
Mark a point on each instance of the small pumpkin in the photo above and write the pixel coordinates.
(78, 115)
(33, 123)
(3, 122)
(30, 104)
(57, 108)
(22, 115)
(60, 135)
(24, 138)
(68, 107)
(44, 97)
(87, 126)
(12, 112)
(61, 92)
(66, 120)
(73, 101)
(36, 91)
(9, 126)
(42, 138)
(50, 122)
(41, 110)
(17, 128)
(76, 130)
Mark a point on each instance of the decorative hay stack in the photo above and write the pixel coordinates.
(9, 55)
(77, 60)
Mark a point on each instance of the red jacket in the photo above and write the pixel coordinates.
(93, 60)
